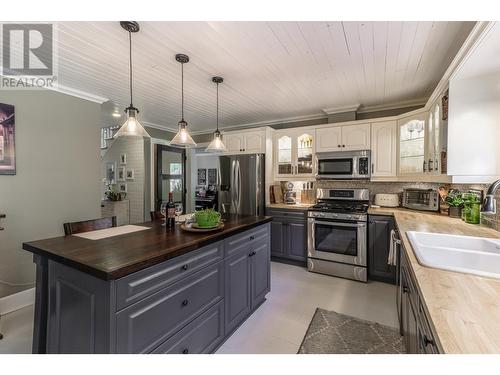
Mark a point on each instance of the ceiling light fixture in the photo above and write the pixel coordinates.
(182, 138)
(217, 145)
(131, 127)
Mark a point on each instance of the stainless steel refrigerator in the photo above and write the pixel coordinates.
(241, 184)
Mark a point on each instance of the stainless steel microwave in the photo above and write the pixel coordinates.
(343, 165)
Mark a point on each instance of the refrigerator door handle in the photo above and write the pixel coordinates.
(238, 187)
(232, 190)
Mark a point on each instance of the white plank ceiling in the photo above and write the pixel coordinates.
(271, 70)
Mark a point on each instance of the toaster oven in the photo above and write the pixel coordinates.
(421, 199)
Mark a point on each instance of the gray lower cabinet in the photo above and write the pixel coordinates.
(414, 324)
(202, 335)
(379, 241)
(143, 326)
(189, 304)
(248, 281)
(289, 234)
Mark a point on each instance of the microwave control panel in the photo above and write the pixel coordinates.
(363, 167)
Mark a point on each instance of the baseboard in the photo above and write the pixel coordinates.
(17, 301)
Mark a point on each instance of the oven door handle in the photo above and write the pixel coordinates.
(337, 224)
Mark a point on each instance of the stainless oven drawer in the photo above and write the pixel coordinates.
(337, 269)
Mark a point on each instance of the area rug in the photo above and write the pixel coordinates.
(333, 333)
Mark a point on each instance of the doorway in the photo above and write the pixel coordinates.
(170, 175)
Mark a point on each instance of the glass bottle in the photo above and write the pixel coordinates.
(170, 211)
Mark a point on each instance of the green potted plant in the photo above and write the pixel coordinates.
(111, 194)
(208, 218)
(456, 203)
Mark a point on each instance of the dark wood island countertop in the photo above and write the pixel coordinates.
(118, 256)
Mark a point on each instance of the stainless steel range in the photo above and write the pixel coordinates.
(337, 233)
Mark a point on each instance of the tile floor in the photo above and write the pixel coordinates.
(279, 325)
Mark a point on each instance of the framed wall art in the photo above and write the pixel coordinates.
(121, 174)
(7, 142)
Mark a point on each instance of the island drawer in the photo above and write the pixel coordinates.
(290, 213)
(144, 325)
(201, 336)
(239, 242)
(134, 287)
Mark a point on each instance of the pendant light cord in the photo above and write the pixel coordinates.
(130, 65)
(182, 91)
(217, 106)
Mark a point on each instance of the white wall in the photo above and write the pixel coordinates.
(58, 175)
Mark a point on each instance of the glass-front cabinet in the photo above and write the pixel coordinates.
(421, 143)
(294, 150)
(412, 139)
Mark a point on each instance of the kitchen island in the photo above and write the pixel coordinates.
(150, 291)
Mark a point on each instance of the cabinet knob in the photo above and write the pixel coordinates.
(252, 254)
(252, 237)
(338, 145)
(185, 302)
(343, 145)
(185, 351)
(185, 267)
(406, 289)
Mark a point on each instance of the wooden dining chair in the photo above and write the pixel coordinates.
(89, 225)
(156, 215)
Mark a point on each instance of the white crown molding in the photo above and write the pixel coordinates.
(395, 105)
(159, 127)
(69, 91)
(78, 94)
(268, 123)
(478, 32)
(334, 110)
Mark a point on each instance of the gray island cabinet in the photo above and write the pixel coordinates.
(150, 291)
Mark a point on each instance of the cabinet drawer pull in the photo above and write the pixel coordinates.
(431, 165)
(185, 267)
(185, 351)
(424, 166)
(406, 289)
(428, 341)
(252, 254)
(185, 302)
(252, 237)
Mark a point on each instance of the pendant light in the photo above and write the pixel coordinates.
(217, 145)
(131, 127)
(182, 138)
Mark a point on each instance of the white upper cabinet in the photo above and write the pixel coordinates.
(356, 137)
(329, 139)
(343, 138)
(254, 142)
(383, 149)
(233, 142)
(294, 153)
(245, 142)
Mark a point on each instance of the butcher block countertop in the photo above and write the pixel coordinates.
(464, 309)
(117, 256)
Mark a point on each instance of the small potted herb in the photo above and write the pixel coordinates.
(456, 203)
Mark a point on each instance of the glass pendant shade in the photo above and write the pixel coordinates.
(132, 127)
(217, 145)
(183, 138)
